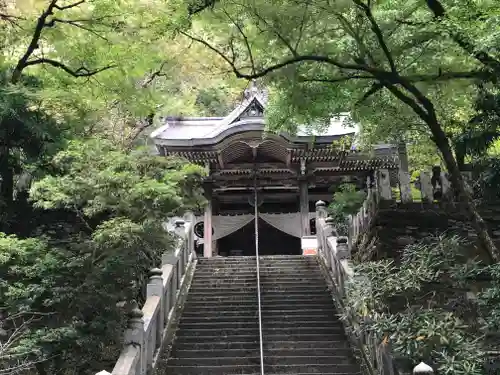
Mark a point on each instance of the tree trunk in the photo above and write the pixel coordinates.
(7, 178)
(465, 198)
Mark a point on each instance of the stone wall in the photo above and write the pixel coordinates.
(399, 225)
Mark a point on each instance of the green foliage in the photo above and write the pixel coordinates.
(419, 305)
(346, 201)
(71, 290)
(97, 178)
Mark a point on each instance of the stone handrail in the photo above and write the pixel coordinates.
(360, 223)
(432, 186)
(335, 256)
(148, 327)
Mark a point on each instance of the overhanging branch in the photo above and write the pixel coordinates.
(80, 72)
(287, 62)
(378, 33)
(462, 40)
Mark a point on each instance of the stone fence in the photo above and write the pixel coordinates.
(149, 327)
(334, 253)
(428, 187)
(431, 186)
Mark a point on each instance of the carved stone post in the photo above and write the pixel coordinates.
(134, 335)
(155, 288)
(426, 187)
(384, 184)
(342, 248)
(423, 369)
(171, 292)
(207, 224)
(329, 231)
(321, 212)
(404, 175)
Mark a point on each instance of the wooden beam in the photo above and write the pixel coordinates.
(220, 159)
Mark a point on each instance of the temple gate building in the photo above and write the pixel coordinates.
(289, 172)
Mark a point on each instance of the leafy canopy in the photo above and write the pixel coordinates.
(67, 286)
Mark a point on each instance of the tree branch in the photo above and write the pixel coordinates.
(462, 40)
(197, 8)
(291, 61)
(70, 5)
(411, 78)
(80, 72)
(11, 19)
(245, 39)
(292, 50)
(378, 33)
(33, 45)
(76, 24)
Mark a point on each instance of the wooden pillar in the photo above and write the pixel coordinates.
(404, 175)
(304, 207)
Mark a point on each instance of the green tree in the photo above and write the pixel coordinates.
(68, 283)
(102, 67)
(346, 201)
(390, 59)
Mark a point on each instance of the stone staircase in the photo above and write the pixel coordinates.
(218, 331)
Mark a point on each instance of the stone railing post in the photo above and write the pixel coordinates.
(321, 212)
(342, 251)
(426, 187)
(134, 335)
(423, 369)
(170, 259)
(180, 230)
(329, 231)
(155, 288)
(384, 184)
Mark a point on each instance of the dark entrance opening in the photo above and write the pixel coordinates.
(272, 241)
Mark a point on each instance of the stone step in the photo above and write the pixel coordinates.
(301, 325)
(212, 370)
(240, 338)
(254, 345)
(265, 258)
(292, 316)
(255, 352)
(292, 331)
(208, 325)
(253, 265)
(311, 292)
(298, 279)
(235, 288)
(299, 299)
(262, 267)
(264, 274)
(253, 323)
(305, 369)
(251, 305)
(219, 332)
(268, 360)
(312, 268)
(224, 284)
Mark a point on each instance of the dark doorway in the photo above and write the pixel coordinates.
(271, 241)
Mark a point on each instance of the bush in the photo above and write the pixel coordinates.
(420, 306)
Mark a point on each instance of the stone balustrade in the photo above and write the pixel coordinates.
(149, 327)
(335, 254)
(360, 223)
(432, 186)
